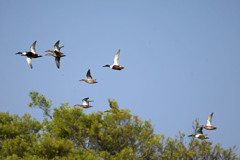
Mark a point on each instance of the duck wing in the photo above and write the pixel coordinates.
(84, 101)
(56, 46)
(116, 58)
(29, 61)
(199, 131)
(57, 60)
(32, 48)
(89, 77)
(209, 120)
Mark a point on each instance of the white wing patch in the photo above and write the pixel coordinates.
(29, 61)
(209, 120)
(32, 48)
(116, 58)
(56, 46)
(85, 103)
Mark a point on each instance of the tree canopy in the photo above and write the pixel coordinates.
(69, 133)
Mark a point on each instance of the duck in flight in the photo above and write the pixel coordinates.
(89, 78)
(199, 134)
(209, 125)
(56, 53)
(85, 103)
(30, 54)
(115, 65)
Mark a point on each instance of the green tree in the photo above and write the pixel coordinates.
(40, 101)
(18, 134)
(70, 133)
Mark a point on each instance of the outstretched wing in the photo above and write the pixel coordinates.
(199, 131)
(32, 48)
(84, 101)
(57, 60)
(116, 58)
(89, 75)
(56, 46)
(209, 120)
(29, 61)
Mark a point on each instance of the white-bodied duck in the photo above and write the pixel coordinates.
(56, 53)
(85, 103)
(30, 54)
(115, 65)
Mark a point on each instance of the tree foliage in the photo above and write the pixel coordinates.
(115, 134)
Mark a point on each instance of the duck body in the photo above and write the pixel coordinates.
(114, 67)
(83, 106)
(30, 54)
(209, 127)
(89, 81)
(199, 136)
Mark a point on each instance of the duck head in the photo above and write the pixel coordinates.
(107, 65)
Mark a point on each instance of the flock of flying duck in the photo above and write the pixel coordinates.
(85, 102)
(58, 54)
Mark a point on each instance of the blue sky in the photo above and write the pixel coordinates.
(181, 59)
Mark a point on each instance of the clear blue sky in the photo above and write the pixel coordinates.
(181, 59)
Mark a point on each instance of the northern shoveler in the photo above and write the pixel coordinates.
(85, 103)
(89, 78)
(31, 54)
(115, 65)
(56, 53)
(209, 125)
(199, 134)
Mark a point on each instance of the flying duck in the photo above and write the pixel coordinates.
(89, 78)
(199, 134)
(56, 53)
(85, 103)
(115, 65)
(209, 125)
(31, 54)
